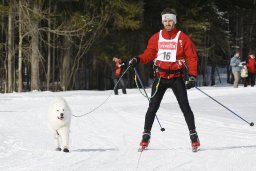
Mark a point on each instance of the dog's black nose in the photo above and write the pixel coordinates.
(61, 114)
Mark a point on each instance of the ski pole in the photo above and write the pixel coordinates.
(162, 129)
(251, 124)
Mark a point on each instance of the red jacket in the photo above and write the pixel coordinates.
(251, 65)
(185, 50)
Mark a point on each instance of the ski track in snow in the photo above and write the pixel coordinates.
(108, 138)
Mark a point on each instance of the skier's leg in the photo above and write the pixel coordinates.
(154, 104)
(151, 112)
(180, 92)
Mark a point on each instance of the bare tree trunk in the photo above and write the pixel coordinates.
(242, 36)
(49, 51)
(251, 28)
(35, 53)
(213, 70)
(48, 78)
(204, 61)
(65, 70)
(54, 54)
(141, 40)
(2, 78)
(20, 52)
(10, 67)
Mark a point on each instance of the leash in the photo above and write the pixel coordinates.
(145, 95)
(106, 98)
(136, 73)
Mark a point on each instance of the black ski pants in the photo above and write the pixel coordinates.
(178, 87)
(250, 79)
(122, 85)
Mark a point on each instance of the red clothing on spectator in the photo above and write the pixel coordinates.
(118, 68)
(251, 65)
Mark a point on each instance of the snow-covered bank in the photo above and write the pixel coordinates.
(108, 138)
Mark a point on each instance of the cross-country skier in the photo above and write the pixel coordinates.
(172, 51)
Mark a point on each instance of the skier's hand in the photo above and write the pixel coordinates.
(134, 62)
(191, 82)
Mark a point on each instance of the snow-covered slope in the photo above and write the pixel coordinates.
(108, 138)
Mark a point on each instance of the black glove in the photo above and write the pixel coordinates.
(134, 62)
(123, 64)
(191, 82)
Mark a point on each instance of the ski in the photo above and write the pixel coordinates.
(195, 149)
(142, 148)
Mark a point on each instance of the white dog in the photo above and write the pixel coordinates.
(59, 117)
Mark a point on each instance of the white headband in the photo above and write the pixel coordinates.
(169, 16)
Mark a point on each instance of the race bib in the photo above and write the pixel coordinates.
(167, 49)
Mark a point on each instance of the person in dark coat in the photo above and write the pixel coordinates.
(117, 67)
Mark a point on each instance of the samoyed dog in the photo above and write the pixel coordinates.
(59, 118)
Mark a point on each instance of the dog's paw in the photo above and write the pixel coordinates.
(65, 150)
(58, 149)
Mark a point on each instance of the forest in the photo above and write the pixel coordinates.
(61, 45)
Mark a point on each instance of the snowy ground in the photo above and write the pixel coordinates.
(108, 138)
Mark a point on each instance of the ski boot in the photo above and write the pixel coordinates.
(145, 140)
(195, 143)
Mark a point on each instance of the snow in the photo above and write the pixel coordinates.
(108, 138)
